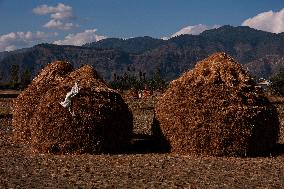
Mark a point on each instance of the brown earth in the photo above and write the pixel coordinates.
(21, 169)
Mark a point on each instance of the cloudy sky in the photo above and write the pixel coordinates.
(74, 22)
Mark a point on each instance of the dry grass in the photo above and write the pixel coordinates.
(6, 106)
(21, 169)
(97, 120)
(27, 101)
(215, 109)
(143, 114)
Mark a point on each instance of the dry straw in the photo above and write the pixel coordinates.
(101, 122)
(216, 110)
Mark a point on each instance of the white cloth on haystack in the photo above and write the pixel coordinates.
(67, 102)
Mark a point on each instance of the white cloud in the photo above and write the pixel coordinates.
(59, 12)
(267, 21)
(43, 9)
(194, 30)
(62, 15)
(58, 16)
(15, 40)
(57, 24)
(80, 38)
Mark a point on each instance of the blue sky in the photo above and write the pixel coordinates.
(52, 21)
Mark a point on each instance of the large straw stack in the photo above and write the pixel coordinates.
(216, 110)
(26, 102)
(101, 121)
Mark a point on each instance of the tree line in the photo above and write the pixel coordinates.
(17, 80)
(138, 80)
(127, 80)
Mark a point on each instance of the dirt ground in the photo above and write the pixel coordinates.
(142, 167)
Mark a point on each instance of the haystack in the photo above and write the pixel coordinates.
(96, 121)
(216, 110)
(26, 102)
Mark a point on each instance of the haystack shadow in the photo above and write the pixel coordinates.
(155, 143)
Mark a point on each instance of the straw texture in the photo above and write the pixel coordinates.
(216, 110)
(101, 121)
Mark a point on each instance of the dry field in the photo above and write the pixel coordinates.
(142, 167)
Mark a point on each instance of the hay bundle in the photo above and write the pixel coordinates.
(26, 102)
(216, 110)
(97, 120)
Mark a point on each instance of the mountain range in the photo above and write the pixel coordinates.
(262, 53)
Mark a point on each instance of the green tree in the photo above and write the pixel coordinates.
(1, 75)
(25, 78)
(277, 83)
(157, 82)
(14, 75)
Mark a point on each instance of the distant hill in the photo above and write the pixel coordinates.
(35, 58)
(135, 45)
(260, 52)
(266, 66)
(3, 55)
(6, 53)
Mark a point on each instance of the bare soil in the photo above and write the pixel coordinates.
(138, 168)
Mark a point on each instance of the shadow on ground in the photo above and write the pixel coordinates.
(278, 150)
(144, 144)
(155, 143)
